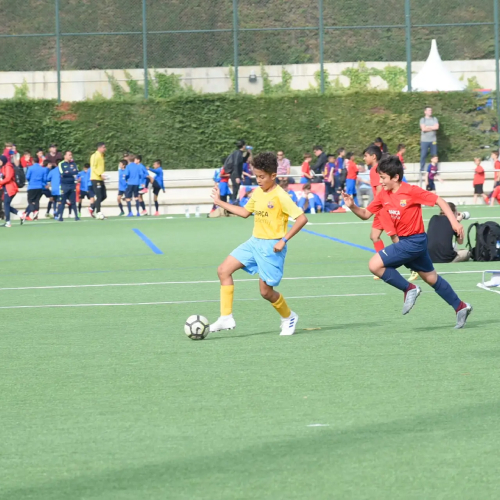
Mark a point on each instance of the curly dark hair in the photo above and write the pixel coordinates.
(267, 162)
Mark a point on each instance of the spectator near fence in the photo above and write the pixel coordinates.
(428, 138)
(283, 166)
(321, 160)
(234, 167)
(54, 157)
(26, 160)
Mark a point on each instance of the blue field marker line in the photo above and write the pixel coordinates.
(361, 247)
(148, 242)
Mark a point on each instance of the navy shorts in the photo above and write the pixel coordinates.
(156, 188)
(121, 193)
(90, 192)
(132, 192)
(409, 251)
(431, 185)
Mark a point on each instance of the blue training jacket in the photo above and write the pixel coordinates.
(134, 172)
(122, 183)
(84, 180)
(159, 176)
(37, 176)
(54, 178)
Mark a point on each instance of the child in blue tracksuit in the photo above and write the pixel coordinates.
(54, 177)
(86, 190)
(134, 172)
(37, 180)
(142, 184)
(158, 184)
(310, 202)
(122, 184)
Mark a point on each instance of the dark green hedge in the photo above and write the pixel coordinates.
(195, 132)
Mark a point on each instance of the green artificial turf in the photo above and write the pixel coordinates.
(115, 402)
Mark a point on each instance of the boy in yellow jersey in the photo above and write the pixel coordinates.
(97, 177)
(265, 251)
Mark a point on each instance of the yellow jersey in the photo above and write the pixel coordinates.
(96, 166)
(271, 211)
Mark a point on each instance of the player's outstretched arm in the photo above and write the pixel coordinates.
(457, 227)
(360, 212)
(236, 210)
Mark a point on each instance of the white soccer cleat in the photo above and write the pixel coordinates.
(289, 324)
(462, 316)
(223, 323)
(411, 297)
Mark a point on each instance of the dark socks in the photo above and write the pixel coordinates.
(157, 206)
(444, 290)
(137, 205)
(120, 206)
(80, 206)
(129, 206)
(49, 207)
(143, 205)
(393, 278)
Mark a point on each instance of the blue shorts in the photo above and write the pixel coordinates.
(132, 192)
(431, 185)
(224, 189)
(258, 256)
(409, 251)
(350, 186)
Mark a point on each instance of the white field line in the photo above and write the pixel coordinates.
(155, 283)
(370, 222)
(181, 301)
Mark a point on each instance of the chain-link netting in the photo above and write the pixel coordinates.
(188, 46)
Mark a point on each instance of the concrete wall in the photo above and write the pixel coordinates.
(81, 85)
(189, 189)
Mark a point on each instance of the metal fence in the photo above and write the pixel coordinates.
(58, 35)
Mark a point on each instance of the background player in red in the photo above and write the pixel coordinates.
(352, 175)
(404, 203)
(382, 221)
(495, 196)
(496, 163)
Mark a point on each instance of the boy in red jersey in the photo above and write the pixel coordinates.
(496, 178)
(352, 175)
(404, 203)
(495, 196)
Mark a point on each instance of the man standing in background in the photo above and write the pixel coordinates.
(321, 161)
(234, 166)
(54, 157)
(97, 167)
(69, 172)
(428, 138)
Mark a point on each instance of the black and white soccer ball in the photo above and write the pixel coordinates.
(197, 327)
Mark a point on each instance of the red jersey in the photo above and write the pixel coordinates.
(374, 179)
(223, 176)
(496, 194)
(25, 163)
(479, 175)
(306, 168)
(404, 207)
(401, 159)
(497, 171)
(352, 170)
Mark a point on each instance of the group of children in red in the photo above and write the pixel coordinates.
(479, 178)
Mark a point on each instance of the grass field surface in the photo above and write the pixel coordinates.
(104, 397)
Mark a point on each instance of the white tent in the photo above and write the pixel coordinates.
(434, 75)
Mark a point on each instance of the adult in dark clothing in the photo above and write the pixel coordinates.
(321, 161)
(234, 165)
(69, 171)
(440, 239)
(54, 157)
(381, 144)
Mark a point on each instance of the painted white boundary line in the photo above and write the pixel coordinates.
(105, 285)
(181, 301)
(370, 222)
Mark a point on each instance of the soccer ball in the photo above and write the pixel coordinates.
(197, 327)
(100, 216)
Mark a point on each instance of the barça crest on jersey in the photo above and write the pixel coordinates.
(270, 204)
(402, 203)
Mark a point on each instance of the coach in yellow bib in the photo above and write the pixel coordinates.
(97, 167)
